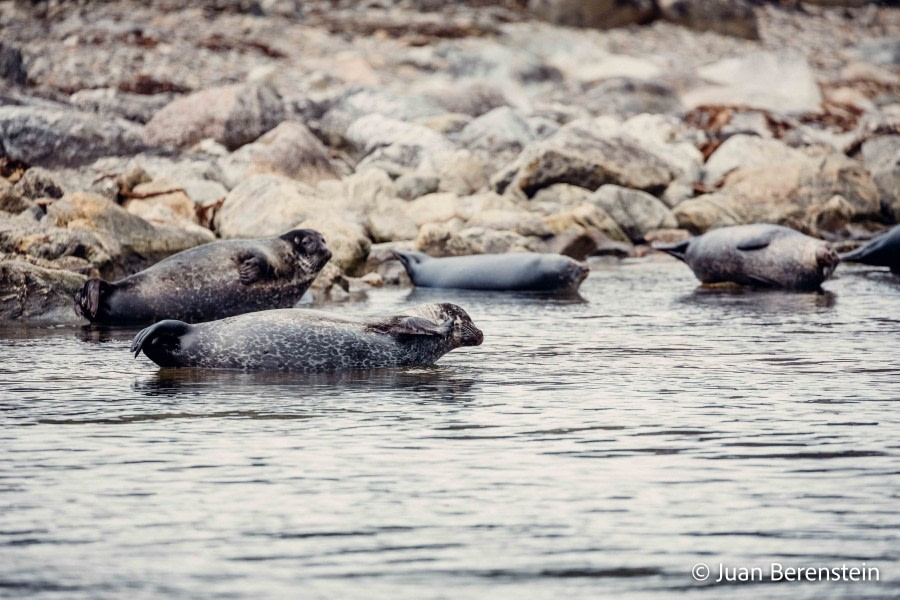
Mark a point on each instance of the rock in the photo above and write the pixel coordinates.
(881, 156)
(12, 67)
(116, 103)
(791, 193)
(437, 208)
(352, 107)
(577, 156)
(59, 138)
(728, 17)
(499, 132)
(410, 187)
(667, 236)
(461, 172)
(38, 183)
(389, 221)
(232, 115)
(636, 212)
(883, 51)
(473, 99)
(290, 150)
(130, 242)
(445, 124)
(558, 197)
(629, 96)
(440, 239)
(36, 289)
(740, 151)
(11, 199)
(782, 83)
(381, 261)
(267, 205)
(375, 131)
(587, 218)
(346, 239)
(162, 202)
(602, 14)
(520, 221)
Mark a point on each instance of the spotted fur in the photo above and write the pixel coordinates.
(213, 281)
(309, 340)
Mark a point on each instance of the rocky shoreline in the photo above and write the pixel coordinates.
(130, 131)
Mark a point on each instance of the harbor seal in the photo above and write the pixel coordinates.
(882, 251)
(768, 256)
(516, 271)
(212, 281)
(310, 340)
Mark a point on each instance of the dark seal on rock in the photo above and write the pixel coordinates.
(882, 251)
(209, 282)
(757, 255)
(516, 271)
(310, 340)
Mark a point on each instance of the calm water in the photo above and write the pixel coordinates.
(587, 449)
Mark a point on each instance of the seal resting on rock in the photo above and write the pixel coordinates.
(516, 271)
(757, 255)
(881, 251)
(212, 281)
(310, 340)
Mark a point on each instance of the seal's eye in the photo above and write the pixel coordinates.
(297, 239)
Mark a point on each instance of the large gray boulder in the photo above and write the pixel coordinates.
(602, 14)
(728, 17)
(636, 212)
(881, 156)
(35, 289)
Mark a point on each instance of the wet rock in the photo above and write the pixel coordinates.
(728, 17)
(12, 67)
(35, 289)
(636, 212)
(783, 83)
(628, 96)
(267, 205)
(115, 103)
(881, 156)
(290, 150)
(741, 151)
(38, 183)
(232, 115)
(576, 155)
(58, 138)
(602, 14)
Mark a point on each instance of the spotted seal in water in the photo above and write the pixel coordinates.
(212, 281)
(310, 340)
(881, 251)
(516, 271)
(757, 255)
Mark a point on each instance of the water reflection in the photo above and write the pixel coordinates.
(760, 301)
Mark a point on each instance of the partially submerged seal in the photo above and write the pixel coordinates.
(212, 281)
(516, 271)
(310, 340)
(881, 251)
(769, 256)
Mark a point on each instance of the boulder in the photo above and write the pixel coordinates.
(232, 115)
(629, 96)
(740, 151)
(602, 14)
(636, 212)
(881, 156)
(290, 150)
(587, 218)
(268, 205)
(461, 172)
(728, 17)
(441, 239)
(11, 200)
(162, 202)
(358, 104)
(38, 183)
(60, 138)
(474, 98)
(782, 83)
(112, 102)
(500, 131)
(35, 289)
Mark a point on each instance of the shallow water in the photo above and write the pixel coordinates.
(589, 448)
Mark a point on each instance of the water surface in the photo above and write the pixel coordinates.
(591, 447)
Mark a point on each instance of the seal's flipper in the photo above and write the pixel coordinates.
(90, 299)
(160, 341)
(409, 260)
(677, 250)
(253, 268)
(757, 242)
(413, 326)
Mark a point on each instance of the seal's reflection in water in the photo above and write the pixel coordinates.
(102, 334)
(744, 301)
(420, 384)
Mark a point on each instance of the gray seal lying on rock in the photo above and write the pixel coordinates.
(881, 251)
(212, 281)
(757, 255)
(310, 340)
(516, 271)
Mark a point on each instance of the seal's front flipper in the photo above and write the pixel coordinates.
(413, 326)
(159, 342)
(253, 267)
(677, 250)
(757, 242)
(91, 298)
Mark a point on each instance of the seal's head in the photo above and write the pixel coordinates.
(573, 274)
(309, 246)
(827, 260)
(452, 320)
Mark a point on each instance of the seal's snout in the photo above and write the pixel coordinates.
(471, 335)
(827, 260)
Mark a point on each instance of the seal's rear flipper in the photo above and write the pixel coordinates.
(409, 260)
(677, 250)
(160, 341)
(89, 300)
(854, 255)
